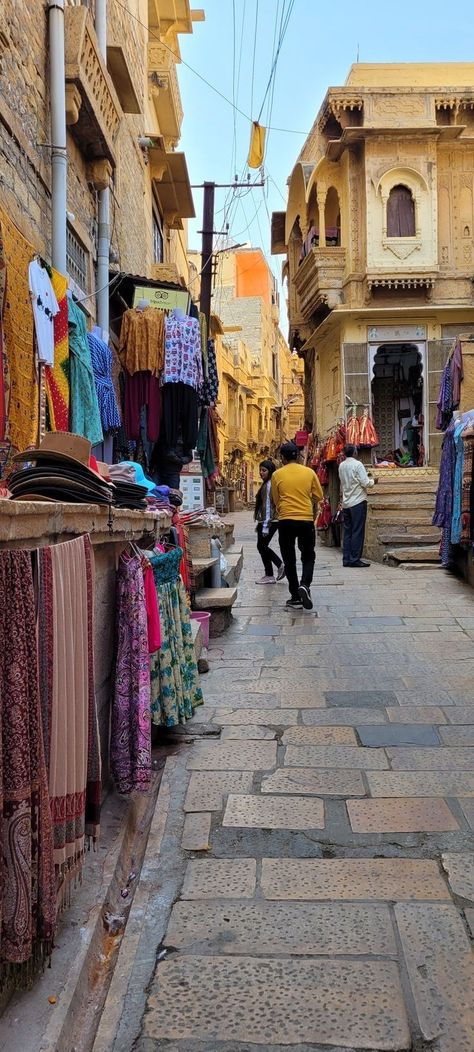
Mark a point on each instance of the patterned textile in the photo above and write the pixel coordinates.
(142, 341)
(456, 524)
(204, 342)
(101, 358)
(183, 358)
(443, 513)
(466, 495)
(27, 877)
(3, 357)
(175, 688)
(57, 376)
(130, 750)
(23, 415)
(84, 415)
(65, 631)
(209, 391)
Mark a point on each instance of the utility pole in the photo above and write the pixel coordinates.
(208, 233)
(206, 251)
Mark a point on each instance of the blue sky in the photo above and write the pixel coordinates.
(321, 43)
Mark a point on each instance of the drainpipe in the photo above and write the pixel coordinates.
(57, 82)
(103, 245)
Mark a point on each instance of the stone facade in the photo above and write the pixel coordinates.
(113, 102)
(355, 282)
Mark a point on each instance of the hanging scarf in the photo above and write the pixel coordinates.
(57, 376)
(468, 461)
(23, 411)
(84, 415)
(72, 749)
(27, 877)
(130, 751)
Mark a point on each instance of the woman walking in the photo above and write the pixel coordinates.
(265, 517)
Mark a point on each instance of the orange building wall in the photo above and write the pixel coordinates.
(252, 276)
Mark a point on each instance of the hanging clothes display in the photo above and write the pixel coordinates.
(142, 390)
(183, 357)
(443, 514)
(57, 375)
(45, 309)
(130, 750)
(180, 416)
(456, 523)
(209, 393)
(450, 387)
(142, 341)
(3, 358)
(467, 516)
(65, 626)
(175, 688)
(84, 414)
(101, 360)
(23, 414)
(27, 874)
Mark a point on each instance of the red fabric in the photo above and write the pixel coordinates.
(152, 611)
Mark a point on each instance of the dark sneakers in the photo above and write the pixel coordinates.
(305, 596)
(294, 604)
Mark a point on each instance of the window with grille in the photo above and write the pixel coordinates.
(77, 258)
(157, 237)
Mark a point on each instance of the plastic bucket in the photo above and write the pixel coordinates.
(204, 618)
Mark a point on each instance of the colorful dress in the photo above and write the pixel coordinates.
(130, 750)
(175, 687)
(84, 416)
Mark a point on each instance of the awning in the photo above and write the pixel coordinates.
(169, 173)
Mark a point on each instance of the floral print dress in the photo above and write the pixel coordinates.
(175, 687)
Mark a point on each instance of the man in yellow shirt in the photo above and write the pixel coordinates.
(296, 492)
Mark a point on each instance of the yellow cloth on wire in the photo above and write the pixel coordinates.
(257, 145)
(18, 328)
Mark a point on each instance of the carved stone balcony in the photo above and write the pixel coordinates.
(165, 92)
(318, 281)
(93, 109)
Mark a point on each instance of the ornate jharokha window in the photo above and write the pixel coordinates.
(401, 219)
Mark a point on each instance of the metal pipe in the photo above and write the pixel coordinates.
(103, 241)
(58, 134)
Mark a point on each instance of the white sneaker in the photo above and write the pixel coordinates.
(266, 580)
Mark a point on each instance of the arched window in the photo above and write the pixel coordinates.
(401, 213)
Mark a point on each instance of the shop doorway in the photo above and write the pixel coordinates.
(398, 379)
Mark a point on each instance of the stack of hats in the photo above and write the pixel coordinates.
(61, 473)
(128, 492)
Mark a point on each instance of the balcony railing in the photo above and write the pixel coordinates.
(318, 281)
(93, 109)
(165, 92)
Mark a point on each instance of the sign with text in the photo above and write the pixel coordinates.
(164, 299)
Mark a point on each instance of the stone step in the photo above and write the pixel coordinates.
(427, 554)
(409, 537)
(214, 598)
(382, 501)
(200, 565)
(392, 486)
(396, 520)
(235, 560)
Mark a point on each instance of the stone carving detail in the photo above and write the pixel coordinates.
(98, 84)
(73, 104)
(402, 248)
(394, 105)
(319, 279)
(99, 173)
(401, 283)
(98, 117)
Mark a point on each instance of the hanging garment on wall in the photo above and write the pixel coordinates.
(209, 391)
(65, 629)
(456, 523)
(101, 360)
(27, 876)
(152, 611)
(45, 309)
(23, 412)
(57, 376)
(443, 514)
(4, 385)
(142, 341)
(180, 414)
(85, 415)
(142, 389)
(130, 750)
(467, 488)
(183, 358)
(206, 445)
(175, 687)
(450, 388)
(204, 343)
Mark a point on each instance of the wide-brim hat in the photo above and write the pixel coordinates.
(62, 446)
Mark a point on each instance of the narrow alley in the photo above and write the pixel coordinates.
(309, 881)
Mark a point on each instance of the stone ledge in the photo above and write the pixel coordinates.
(29, 523)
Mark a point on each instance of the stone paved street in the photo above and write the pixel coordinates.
(316, 872)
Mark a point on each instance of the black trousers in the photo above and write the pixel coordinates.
(269, 557)
(354, 533)
(180, 415)
(291, 531)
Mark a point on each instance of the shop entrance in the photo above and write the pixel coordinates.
(398, 399)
